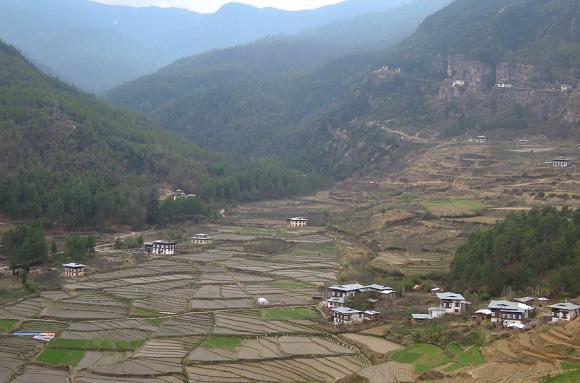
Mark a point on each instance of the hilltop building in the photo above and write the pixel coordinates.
(180, 194)
(560, 162)
(565, 312)
(202, 239)
(160, 247)
(452, 303)
(297, 222)
(74, 270)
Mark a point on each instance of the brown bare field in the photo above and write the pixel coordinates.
(16, 352)
(246, 325)
(271, 348)
(101, 359)
(311, 370)
(34, 374)
(188, 324)
(373, 343)
(88, 377)
(389, 372)
(28, 308)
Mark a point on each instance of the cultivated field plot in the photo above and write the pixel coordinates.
(278, 296)
(127, 281)
(408, 262)
(87, 377)
(219, 292)
(54, 295)
(155, 357)
(124, 324)
(270, 348)
(83, 312)
(28, 308)
(100, 359)
(214, 304)
(206, 256)
(142, 291)
(34, 374)
(312, 370)
(15, 353)
(168, 301)
(186, 325)
(114, 335)
(225, 278)
(389, 372)
(373, 343)
(43, 326)
(252, 323)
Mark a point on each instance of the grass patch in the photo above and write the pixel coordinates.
(290, 285)
(142, 313)
(568, 377)
(153, 321)
(455, 207)
(230, 343)
(7, 324)
(426, 357)
(471, 356)
(61, 357)
(569, 366)
(453, 367)
(95, 344)
(290, 313)
(423, 356)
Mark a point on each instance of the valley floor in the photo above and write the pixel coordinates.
(194, 316)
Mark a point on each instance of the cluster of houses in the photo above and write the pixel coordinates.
(510, 314)
(341, 314)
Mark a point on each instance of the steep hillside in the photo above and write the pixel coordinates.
(254, 99)
(485, 65)
(66, 157)
(97, 46)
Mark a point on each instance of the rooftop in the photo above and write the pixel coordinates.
(450, 296)
(421, 316)
(201, 236)
(351, 287)
(163, 242)
(297, 219)
(561, 159)
(336, 299)
(346, 310)
(74, 265)
(509, 306)
(565, 306)
(484, 311)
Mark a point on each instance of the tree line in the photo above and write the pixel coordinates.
(539, 248)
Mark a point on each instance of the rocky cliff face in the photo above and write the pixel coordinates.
(478, 88)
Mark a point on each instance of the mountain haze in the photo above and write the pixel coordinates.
(251, 98)
(97, 46)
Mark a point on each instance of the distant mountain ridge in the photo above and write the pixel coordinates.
(97, 46)
(245, 98)
(503, 67)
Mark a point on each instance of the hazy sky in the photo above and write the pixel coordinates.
(207, 6)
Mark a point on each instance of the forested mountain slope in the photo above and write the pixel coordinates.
(97, 46)
(66, 157)
(509, 66)
(250, 99)
(524, 251)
